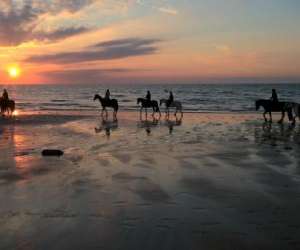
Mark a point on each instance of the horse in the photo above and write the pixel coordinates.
(148, 104)
(282, 107)
(7, 106)
(111, 103)
(174, 104)
(293, 107)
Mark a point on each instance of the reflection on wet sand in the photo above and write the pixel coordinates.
(13, 160)
(107, 125)
(274, 134)
(173, 123)
(148, 124)
(215, 184)
(8, 147)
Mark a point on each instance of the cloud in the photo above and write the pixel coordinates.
(223, 48)
(168, 10)
(157, 6)
(109, 50)
(126, 42)
(60, 33)
(82, 76)
(20, 20)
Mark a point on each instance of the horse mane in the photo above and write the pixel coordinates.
(97, 96)
(140, 99)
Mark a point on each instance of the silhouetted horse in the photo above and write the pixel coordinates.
(7, 106)
(111, 103)
(174, 104)
(282, 107)
(148, 104)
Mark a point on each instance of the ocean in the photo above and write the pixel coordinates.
(195, 98)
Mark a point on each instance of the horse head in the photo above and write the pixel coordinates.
(161, 102)
(139, 100)
(97, 97)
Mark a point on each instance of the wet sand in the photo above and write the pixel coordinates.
(209, 181)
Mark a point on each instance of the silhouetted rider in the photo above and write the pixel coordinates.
(5, 95)
(274, 98)
(171, 99)
(148, 96)
(107, 94)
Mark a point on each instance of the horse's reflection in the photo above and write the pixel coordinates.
(107, 125)
(173, 123)
(148, 124)
(274, 134)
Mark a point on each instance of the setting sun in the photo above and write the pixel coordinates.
(14, 71)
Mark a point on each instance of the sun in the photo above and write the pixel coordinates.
(14, 71)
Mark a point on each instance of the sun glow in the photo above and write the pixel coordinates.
(14, 71)
(16, 113)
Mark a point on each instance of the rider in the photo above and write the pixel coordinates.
(148, 96)
(107, 94)
(171, 99)
(5, 95)
(274, 98)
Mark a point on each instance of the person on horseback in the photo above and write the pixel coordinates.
(148, 96)
(170, 100)
(274, 98)
(5, 95)
(107, 94)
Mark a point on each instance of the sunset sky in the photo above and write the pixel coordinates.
(150, 41)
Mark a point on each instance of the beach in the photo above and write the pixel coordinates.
(206, 181)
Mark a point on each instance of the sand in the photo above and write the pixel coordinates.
(209, 181)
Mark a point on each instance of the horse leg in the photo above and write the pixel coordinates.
(141, 110)
(264, 115)
(282, 117)
(270, 113)
(291, 116)
(294, 121)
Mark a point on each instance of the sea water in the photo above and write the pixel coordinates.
(195, 98)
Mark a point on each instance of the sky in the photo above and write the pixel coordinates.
(150, 41)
